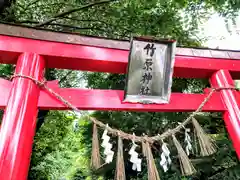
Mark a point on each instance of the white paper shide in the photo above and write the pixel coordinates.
(107, 147)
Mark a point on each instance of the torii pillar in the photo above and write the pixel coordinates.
(19, 120)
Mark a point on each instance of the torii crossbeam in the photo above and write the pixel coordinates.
(34, 50)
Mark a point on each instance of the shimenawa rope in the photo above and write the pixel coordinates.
(120, 133)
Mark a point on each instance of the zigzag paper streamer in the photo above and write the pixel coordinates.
(188, 141)
(134, 159)
(107, 147)
(165, 157)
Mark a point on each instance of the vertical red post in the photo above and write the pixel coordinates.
(19, 120)
(231, 99)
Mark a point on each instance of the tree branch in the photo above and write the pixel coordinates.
(65, 25)
(64, 77)
(98, 21)
(59, 24)
(72, 11)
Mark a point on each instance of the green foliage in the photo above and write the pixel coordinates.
(58, 152)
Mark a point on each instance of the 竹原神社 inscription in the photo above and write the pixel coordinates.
(150, 69)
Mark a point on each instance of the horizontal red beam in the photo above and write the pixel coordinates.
(96, 100)
(86, 99)
(102, 59)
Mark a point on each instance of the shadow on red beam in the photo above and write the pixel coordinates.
(102, 59)
(86, 99)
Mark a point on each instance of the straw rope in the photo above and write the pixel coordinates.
(120, 133)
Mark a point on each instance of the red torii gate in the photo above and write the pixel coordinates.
(34, 50)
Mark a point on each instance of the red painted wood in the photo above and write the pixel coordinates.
(112, 100)
(19, 120)
(100, 59)
(86, 99)
(231, 100)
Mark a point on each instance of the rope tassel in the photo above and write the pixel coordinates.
(207, 145)
(95, 159)
(185, 164)
(120, 171)
(152, 169)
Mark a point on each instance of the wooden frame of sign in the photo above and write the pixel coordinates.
(150, 69)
